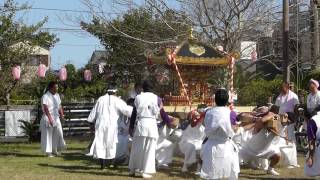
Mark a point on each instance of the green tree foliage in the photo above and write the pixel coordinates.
(16, 44)
(258, 91)
(126, 53)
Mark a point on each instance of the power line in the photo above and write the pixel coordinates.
(62, 29)
(61, 10)
(85, 45)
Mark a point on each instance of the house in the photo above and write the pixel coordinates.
(99, 60)
(300, 46)
(39, 55)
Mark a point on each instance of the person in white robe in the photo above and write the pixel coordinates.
(145, 134)
(190, 145)
(122, 152)
(105, 115)
(50, 126)
(259, 145)
(287, 149)
(164, 151)
(288, 101)
(241, 136)
(313, 99)
(124, 140)
(219, 155)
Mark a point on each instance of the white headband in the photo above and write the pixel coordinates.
(315, 82)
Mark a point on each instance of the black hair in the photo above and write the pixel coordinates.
(112, 85)
(287, 84)
(51, 85)
(130, 101)
(291, 116)
(309, 115)
(221, 97)
(147, 86)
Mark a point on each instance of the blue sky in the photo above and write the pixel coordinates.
(75, 48)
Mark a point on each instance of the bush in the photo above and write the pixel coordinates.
(258, 91)
(30, 129)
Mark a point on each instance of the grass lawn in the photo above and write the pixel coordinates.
(25, 161)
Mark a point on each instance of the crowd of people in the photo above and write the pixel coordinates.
(216, 139)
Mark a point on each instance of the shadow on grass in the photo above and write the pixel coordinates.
(77, 169)
(18, 154)
(75, 156)
(273, 178)
(175, 171)
(75, 148)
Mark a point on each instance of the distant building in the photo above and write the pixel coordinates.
(39, 55)
(99, 60)
(300, 46)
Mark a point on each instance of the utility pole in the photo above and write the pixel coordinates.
(285, 42)
(315, 32)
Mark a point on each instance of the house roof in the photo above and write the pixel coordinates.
(98, 55)
(35, 50)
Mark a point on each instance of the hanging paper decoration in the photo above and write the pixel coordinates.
(16, 72)
(254, 55)
(42, 69)
(87, 75)
(63, 74)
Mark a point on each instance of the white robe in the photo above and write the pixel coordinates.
(164, 152)
(123, 138)
(240, 138)
(260, 145)
(313, 101)
(144, 143)
(287, 104)
(314, 170)
(191, 143)
(105, 114)
(51, 136)
(219, 154)
(288, 150)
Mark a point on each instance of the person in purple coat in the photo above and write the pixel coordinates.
(312, 166)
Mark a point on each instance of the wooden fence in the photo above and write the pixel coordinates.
(74, 125)
(76, 114)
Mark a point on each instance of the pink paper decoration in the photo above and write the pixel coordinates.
(42, 69)
(16, 73)
(87, 75)
(63, 74)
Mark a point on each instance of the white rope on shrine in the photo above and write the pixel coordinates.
(171, 59)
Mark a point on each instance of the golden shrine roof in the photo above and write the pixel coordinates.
(189, 52)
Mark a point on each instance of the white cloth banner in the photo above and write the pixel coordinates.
(12, 124)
